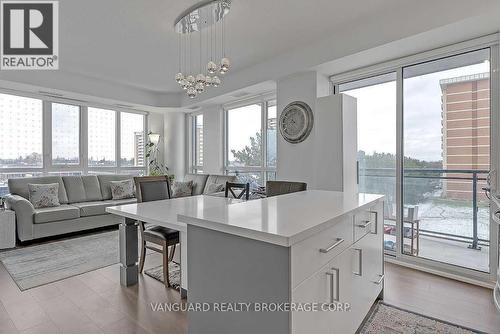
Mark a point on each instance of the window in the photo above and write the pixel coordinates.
(196, 144)
(65, 134)
(271, 135)
(244, 136)
(132, 140)
(77, 140)
(198, 141)
(21, 132)
(251, 142)
(102, 137)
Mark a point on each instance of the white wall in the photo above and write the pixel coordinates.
(175, 143)
(295, 160)
(213, 140)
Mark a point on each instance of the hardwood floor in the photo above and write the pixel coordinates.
(442, 298)
(96, 303)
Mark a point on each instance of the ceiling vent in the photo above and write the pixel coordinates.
(127, 106)
(240, 94)
(194, 108)
(54, 94)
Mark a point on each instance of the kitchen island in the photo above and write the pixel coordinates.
(307, 262)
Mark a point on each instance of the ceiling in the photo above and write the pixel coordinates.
(127, 50)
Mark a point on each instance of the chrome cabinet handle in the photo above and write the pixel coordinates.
(334, 297)
(376, 221)
(365, 225)
(337, 242)
(360, 263)
(379, 281)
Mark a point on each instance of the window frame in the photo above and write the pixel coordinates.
(265, 102)
(82, 167)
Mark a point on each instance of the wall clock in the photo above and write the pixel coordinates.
(296, 122)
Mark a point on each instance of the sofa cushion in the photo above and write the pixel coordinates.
(122, 189)
(199, 181)
(20, 186)
(99, 207)
(58, 213)
(82, 188)
(182, 189)
(44, 195)
(219, 179)
(104, 182)
(214, 188)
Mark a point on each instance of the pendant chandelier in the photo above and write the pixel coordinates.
(202, 46)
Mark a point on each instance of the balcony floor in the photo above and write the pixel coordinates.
(453, 252)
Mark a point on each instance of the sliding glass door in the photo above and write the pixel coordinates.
(425, 133)
(446, 116)
(376, 106)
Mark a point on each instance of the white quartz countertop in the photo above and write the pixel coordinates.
(164, 213)
(282, 220)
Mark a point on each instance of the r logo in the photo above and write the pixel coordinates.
(27, 28)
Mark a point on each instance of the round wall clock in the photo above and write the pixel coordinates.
(296, 122)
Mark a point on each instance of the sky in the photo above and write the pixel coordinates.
(422, 114)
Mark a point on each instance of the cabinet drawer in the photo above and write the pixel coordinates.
(365, 222)
(331, 284)
(311, 254)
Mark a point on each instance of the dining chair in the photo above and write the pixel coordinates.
(244, 190)
(275, 188)
(155, 188)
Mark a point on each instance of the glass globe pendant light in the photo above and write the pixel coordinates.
(179, 77)
(200, 79)
(191, 92)
(211, 67)
(191, 80)
(199, 87)
(184, 84)
(208, 81)
(216, 81)
(225, 64)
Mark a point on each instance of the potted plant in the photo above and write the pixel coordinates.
(156, 167)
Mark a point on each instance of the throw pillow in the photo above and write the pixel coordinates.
(214, 188)
(182, 189)
(44, 195)
(122, 189)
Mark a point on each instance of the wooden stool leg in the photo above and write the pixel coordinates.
(166, 278)
(172, 252)
(143, 256)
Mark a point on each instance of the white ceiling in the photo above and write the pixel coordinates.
(127, 50)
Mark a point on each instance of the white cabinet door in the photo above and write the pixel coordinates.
(330, 287)
(367, 262)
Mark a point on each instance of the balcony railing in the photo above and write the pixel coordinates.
(412, 175)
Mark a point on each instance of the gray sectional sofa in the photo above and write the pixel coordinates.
(201, 181)
(83, 202)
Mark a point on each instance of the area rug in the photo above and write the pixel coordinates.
(38, 265)
(174, 272)
(387, 319)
